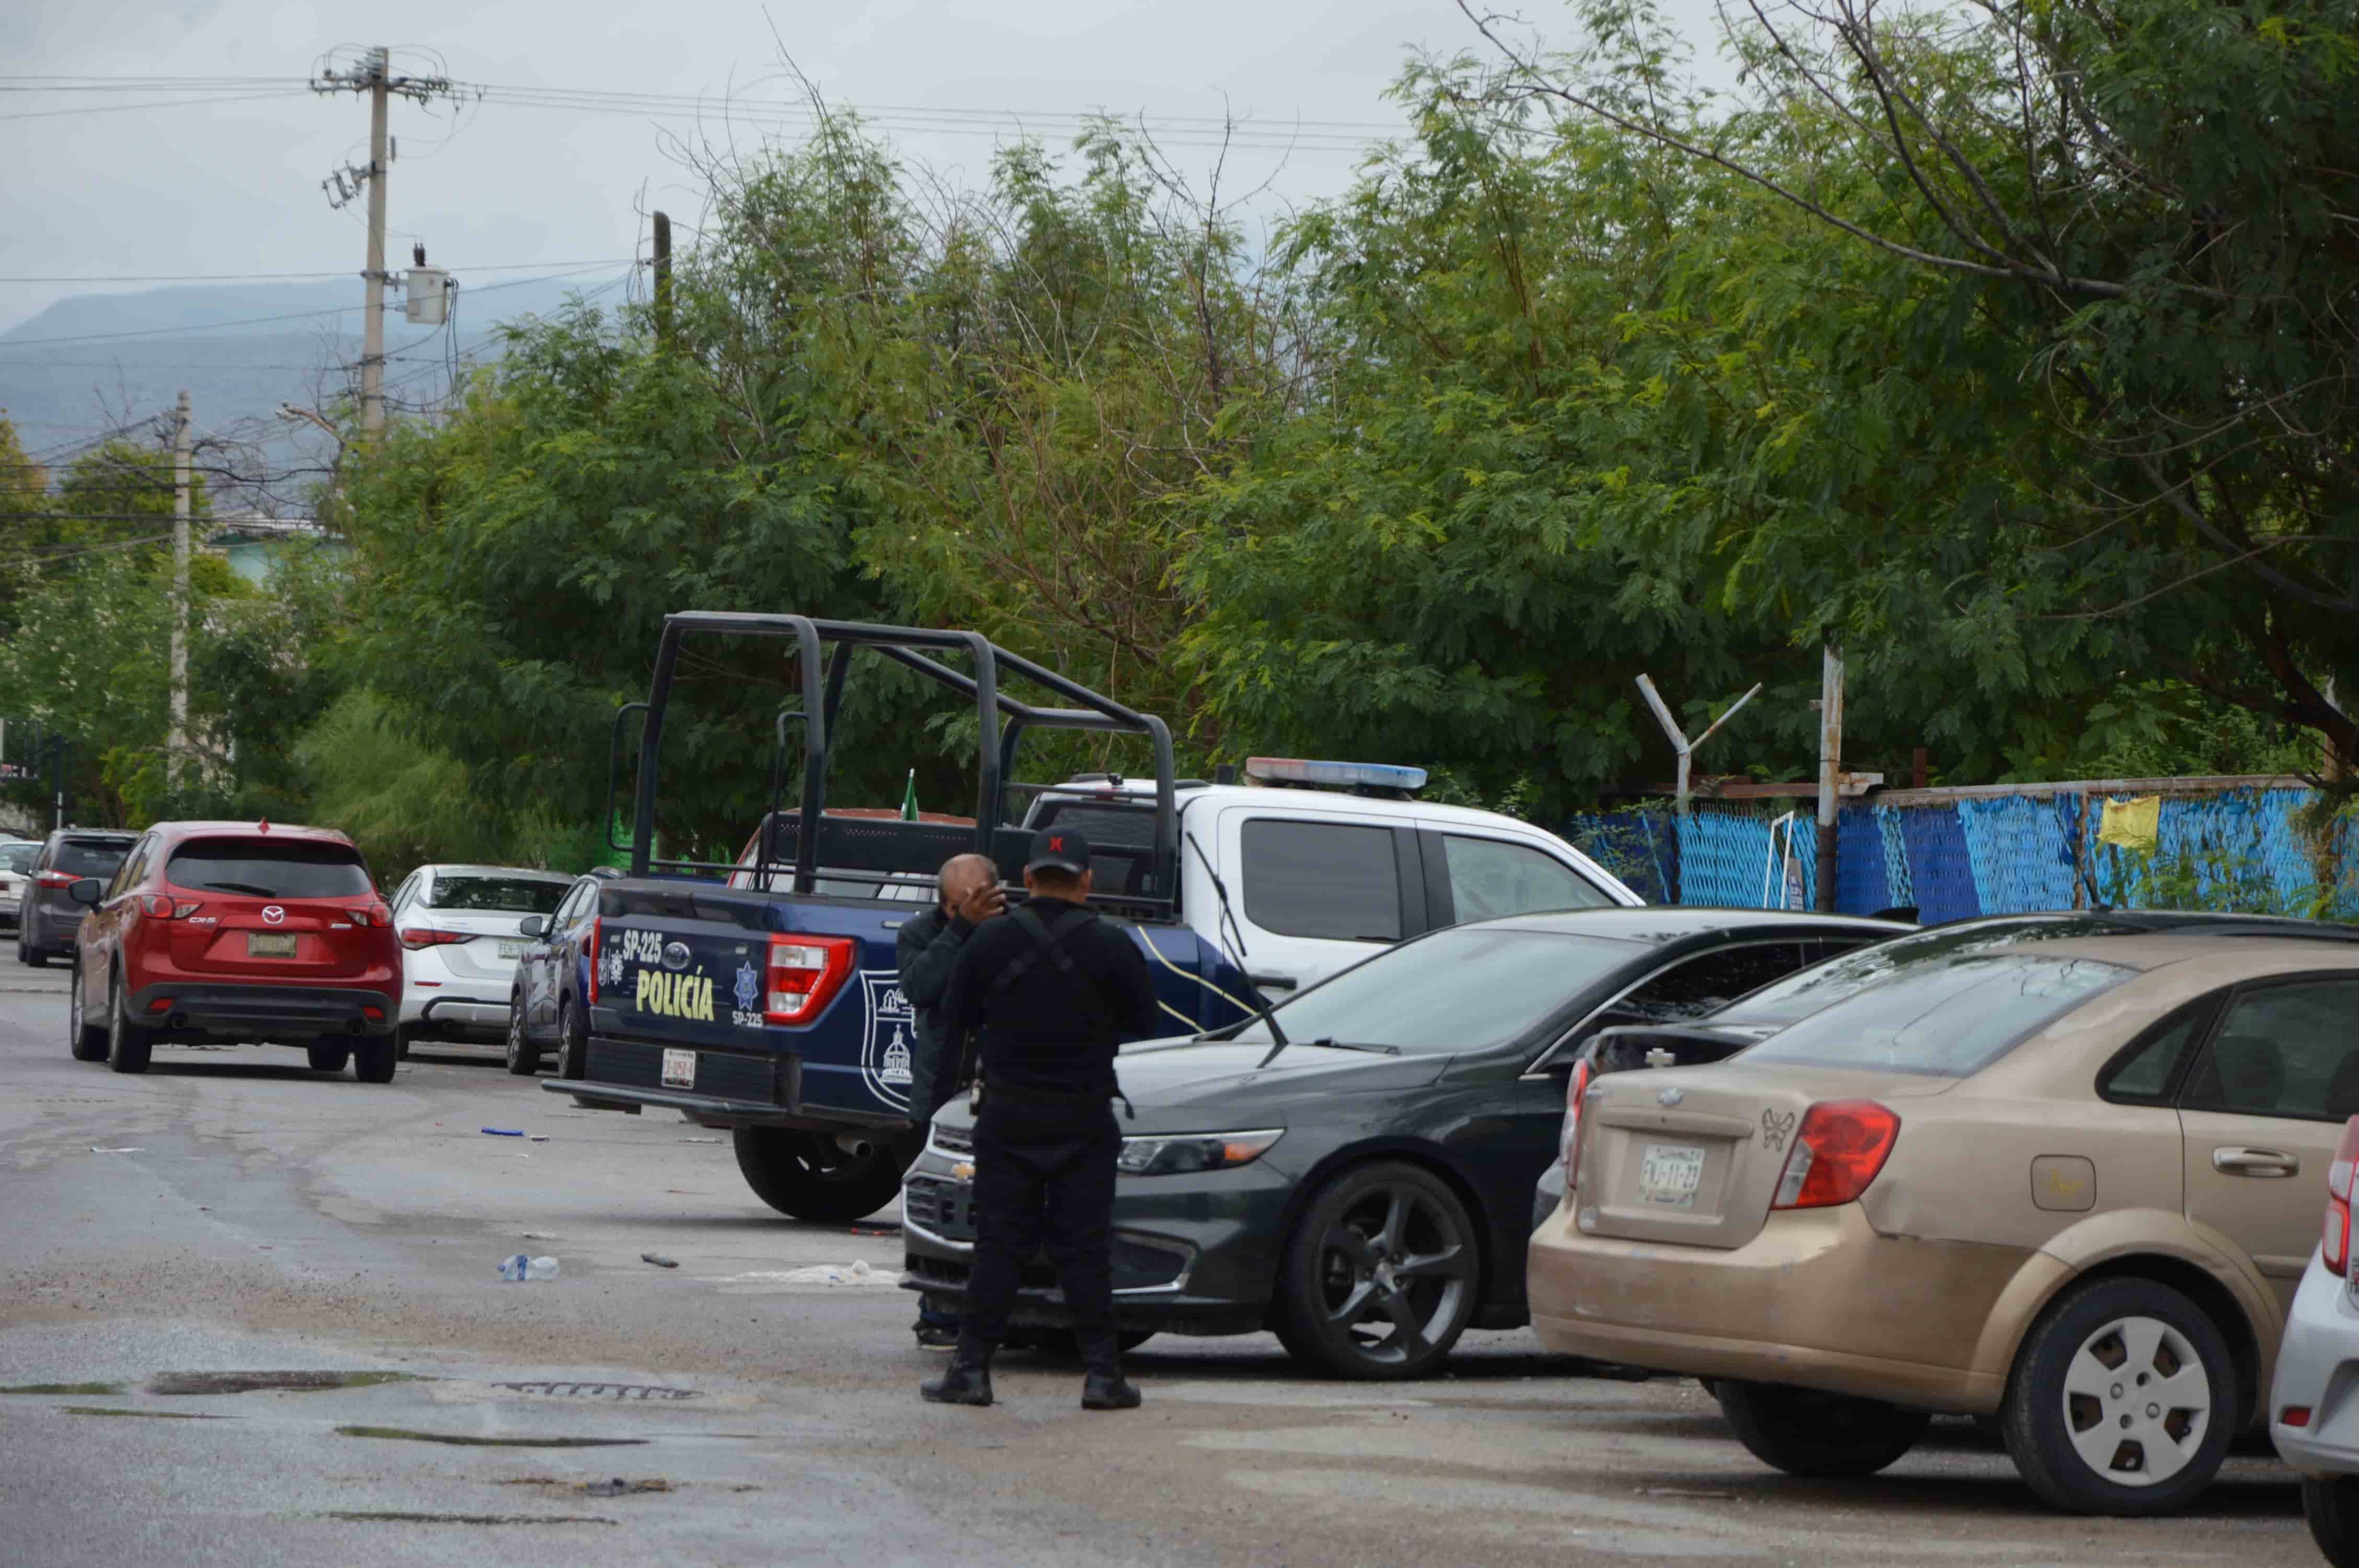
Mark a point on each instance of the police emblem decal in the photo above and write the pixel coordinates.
(891, 1037)
(749, 989)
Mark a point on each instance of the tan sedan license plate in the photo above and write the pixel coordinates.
(1669, 1173)
(269, 944)
(680, 1069)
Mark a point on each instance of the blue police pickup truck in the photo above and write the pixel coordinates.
(761, 995)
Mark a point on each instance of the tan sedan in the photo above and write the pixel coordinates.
(2049, 1182)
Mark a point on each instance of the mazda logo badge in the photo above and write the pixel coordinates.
(272, 914)
(1669, 1097)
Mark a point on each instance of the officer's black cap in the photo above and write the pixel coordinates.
(1059, 848)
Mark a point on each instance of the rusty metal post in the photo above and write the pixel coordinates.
(1831, 701)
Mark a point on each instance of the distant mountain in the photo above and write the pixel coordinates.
(90, 363)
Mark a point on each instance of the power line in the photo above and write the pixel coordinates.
(155, 104)
(282, 276)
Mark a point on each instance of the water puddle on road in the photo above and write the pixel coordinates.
(289, 1382)
(64, 1389)
(357, 1516)
(149, 1415)
(405, 1435)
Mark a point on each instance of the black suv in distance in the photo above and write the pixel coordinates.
(47, 919)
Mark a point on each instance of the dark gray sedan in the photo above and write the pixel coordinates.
(1354, 1171)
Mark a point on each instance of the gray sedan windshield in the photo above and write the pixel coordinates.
(1463, 990)
(1946, 1020)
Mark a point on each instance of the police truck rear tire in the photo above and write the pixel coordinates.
(807, 1176)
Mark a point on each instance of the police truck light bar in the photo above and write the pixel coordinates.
(1349, 775)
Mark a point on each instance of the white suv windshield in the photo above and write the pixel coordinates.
(1945, 1020)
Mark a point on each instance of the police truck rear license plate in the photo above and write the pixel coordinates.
(1669, 1173)
(269, 944)
(680, 1069)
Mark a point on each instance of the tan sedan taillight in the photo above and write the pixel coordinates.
(1569, 1144)
(1841, 1147)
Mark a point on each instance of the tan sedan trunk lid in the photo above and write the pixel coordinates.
(1692, 1155)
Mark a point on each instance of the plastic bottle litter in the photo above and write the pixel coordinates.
(520, 1267)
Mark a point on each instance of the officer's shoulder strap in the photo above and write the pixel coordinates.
(1046, 945)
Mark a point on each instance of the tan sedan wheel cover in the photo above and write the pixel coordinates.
(2137, 1401)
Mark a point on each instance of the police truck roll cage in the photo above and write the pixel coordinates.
(883, 851)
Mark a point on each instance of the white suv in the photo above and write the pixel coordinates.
(460, 944)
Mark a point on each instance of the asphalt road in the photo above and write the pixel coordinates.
(232, 1213)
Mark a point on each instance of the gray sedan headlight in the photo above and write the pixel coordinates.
(1172, 1154)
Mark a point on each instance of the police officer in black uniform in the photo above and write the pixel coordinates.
(1052, 987)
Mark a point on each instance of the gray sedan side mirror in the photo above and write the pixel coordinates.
(86, 890)
(532, 925)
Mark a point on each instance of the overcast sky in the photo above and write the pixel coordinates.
(217, 188)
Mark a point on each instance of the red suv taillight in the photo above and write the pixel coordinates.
(416, 937)
(1569, 1142)
(805, 974)
(1841, 1147)
(2334, 1245)
(374, 914)
(160, 906)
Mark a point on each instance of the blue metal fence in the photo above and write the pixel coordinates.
(2259, 848)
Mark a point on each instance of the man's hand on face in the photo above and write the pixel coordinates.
(982, 902)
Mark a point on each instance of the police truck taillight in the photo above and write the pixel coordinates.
(805, 974)
(2334, 1245)
(1569, 1142)
(1841, 1144)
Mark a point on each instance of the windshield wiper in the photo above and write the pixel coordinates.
(242, 887)
(1332, 1044)
(1277, 1036)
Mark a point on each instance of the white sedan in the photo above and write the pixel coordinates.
(460, 944)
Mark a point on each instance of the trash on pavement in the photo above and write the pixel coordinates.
(504, 1131)
(660, 1261)
(700, 1140)
(540, 1138)
(96, 1150)
(520, 1267)
(619, 1487)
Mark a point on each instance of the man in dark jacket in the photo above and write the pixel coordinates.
(967, 894)
(1052, 987)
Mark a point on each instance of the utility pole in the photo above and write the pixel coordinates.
(372, 320)
(663, 278)
(1831, 774)
(176, 748)
(375, 77)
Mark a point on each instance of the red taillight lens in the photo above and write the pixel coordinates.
(805, 974)
(1841, 1147)
(374, 914)
(1569, 1142)
(156, 905)
(56, 879)
(416, 937)
(2294, 1415)
(597, 929)
(2334, 1242)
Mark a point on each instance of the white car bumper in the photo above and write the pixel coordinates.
(2318, 1369)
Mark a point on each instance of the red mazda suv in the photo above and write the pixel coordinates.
(237, 932)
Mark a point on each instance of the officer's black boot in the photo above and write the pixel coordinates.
(1104, 1388)
(965, 1381)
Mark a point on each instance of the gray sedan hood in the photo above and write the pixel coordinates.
(1195, 1077)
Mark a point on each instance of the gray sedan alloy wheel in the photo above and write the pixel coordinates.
(1380, 1279)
